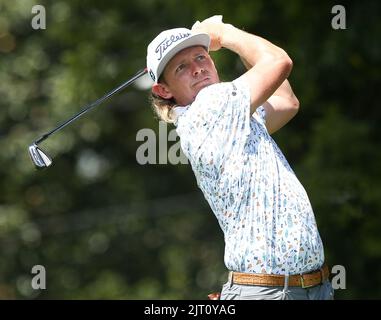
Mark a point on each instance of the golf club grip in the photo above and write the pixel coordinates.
(93, 105)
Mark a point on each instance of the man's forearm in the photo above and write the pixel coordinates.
(284, 89)
(249, 47)
(281, 106)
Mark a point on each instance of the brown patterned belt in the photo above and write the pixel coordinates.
(305, 280)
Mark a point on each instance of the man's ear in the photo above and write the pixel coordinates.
(162, 90)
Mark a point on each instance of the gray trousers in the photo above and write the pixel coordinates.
(231, 291)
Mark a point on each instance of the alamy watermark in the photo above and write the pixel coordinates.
(338, 281)
(39, 20)
(155, 151)
(339, 20)
(39, 280)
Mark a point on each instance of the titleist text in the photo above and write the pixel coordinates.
(163, 46)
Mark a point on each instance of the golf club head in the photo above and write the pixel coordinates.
(40, 158)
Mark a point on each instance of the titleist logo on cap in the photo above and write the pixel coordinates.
(163, 46)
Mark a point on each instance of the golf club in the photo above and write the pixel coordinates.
(40, 158)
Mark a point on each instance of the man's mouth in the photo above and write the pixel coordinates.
(201, 82)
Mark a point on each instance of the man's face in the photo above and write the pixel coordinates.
(189, 71)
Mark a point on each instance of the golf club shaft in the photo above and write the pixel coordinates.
(92, 105)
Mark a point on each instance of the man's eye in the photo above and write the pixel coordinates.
(200, 57)
(180, 67)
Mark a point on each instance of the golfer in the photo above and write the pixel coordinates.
(273, 249)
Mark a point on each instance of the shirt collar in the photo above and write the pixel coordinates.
(177, 112)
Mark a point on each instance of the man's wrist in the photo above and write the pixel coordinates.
(235, 39)
(227, 35)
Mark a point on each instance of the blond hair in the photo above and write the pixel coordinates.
(162, 107)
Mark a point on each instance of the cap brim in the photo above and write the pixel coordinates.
(199, 39)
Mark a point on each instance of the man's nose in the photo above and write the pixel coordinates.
(197, 69)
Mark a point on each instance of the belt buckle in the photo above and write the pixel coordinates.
(303, 284)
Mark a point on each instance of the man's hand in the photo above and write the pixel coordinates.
(214, 27)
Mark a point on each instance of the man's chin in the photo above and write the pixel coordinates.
(200, 87)
(203, 84)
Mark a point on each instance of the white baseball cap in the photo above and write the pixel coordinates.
(167, 44)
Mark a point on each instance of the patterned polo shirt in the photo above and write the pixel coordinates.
(262, 208)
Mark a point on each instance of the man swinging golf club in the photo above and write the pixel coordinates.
(273, 249)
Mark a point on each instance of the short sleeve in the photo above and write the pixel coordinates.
(217, 120)
(260, 115)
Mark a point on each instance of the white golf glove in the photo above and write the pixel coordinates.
(216, 18)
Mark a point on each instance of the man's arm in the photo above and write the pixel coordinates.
(281, 107)
(270, 67)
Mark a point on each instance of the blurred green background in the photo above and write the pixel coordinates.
(105, 227)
